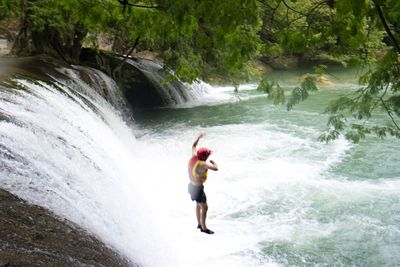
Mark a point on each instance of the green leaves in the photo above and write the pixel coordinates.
(379, 95)
(293, 41)
(301, 93)
(352, 30)
(7, 8)
(203, 37)
(358, 7)
(194, 37)
(274, 91)
(189, 25)
(344, 29)
(337, 124)
(277, 94)
(199, 38)
(357, 132)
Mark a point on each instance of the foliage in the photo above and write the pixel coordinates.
(191, 36)
(356, 29)
(196, 38)
(7, 8)
(219, 36)
(380, 93)
(274, 91)
(299, 93)
(307, 27)
(354, 114)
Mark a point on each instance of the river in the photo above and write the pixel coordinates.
(279, 198)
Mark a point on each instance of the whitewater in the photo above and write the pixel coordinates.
(279, 198)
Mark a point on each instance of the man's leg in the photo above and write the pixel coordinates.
(198, 211)
(203, 214)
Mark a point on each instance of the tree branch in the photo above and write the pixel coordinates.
(305, 15)
(126, 3)
(387, 29)
(274, 10)
(294, 10)
(126, 57)
(390, 114)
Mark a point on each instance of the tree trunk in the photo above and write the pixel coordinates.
(392, 38)
(76, 48)
(23, 45)
(118, 69)
(29, 41)
(49, 42)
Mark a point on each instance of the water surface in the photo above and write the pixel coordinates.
(279, 198)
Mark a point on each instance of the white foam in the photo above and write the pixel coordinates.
(78, 158)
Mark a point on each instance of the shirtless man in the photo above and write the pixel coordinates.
(198, 168)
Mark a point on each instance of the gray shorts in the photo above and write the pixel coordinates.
(197, 193)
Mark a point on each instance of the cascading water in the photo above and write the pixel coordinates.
(279, 198)
(64, 147)
(173, 92)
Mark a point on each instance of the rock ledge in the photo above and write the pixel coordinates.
(32, 236)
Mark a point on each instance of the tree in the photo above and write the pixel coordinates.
(200, 37)
(356, 29)
(192, 36)
(58, 27)
(307, 28)
(381, 85)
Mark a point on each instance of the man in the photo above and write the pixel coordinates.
(198, 167)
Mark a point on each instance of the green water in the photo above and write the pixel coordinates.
(279, 198)
(296, 201)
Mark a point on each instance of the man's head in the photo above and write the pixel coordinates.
(203, 153)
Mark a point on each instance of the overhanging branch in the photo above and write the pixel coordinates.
(385, 25)
(117, 69)
(126, 3)
(294, 10)
(390, 114)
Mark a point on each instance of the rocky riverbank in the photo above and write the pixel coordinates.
(32, 236)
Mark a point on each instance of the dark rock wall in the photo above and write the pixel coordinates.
(32, 236)
(140, 92)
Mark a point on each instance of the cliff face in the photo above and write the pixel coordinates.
(32, 236)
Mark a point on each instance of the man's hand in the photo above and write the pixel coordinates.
(214, 166)
(202, 134)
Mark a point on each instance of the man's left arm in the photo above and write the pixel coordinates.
(212, 165)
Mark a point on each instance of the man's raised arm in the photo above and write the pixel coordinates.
(194, 151)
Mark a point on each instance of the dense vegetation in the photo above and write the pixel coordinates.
(355, 32)
(196, 38)
(191, 36)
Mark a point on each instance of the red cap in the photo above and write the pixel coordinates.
(203, 153)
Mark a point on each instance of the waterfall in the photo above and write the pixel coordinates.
(68, 143)
(72, 150)
(173, 92)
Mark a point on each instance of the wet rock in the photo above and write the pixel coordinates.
(140, 92)
(281, 63)
(32, 236)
